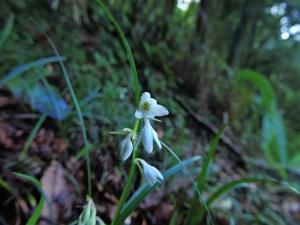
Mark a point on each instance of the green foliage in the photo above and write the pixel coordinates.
(24, 67)
(273, 131)
(192, 216)
(177, 53)
(146, 189)
(5, 34)
(37, 212)
(32, 135)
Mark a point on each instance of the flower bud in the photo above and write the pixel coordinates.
(88, 215)
(151, 174)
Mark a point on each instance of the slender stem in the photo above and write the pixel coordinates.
(130, 179)
(78, 110)
(32, 136)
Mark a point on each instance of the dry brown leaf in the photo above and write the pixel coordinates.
(59, 198)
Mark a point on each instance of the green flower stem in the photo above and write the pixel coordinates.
(130, 179)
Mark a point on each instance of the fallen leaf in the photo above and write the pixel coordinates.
(59, 198)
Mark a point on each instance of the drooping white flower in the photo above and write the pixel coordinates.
(126, 146)
(147, 135)
(151, 174)
(149, 108)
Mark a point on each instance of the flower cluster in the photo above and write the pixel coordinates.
(147, 111)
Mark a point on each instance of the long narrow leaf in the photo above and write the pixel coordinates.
(146, 189)
(127, 48)
(37, 212)
(77, 107)
(235, 183)
(207, 160)
(24, 67)
(192, 216)
(7, 32)
(32, 135)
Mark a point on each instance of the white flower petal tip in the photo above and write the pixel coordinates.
(147, 135)
(155, 137)
(149, 108)
(151, 174)
(126, 148)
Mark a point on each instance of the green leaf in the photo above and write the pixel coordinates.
(24, 67)
(7, 32)
(223, 189)
(6, 186)
(32, 135)
(273, 131)
(85, 150)
(77, 107)
(192, 217)
(127, 49)
(146, 189)
(207, 160)
(37, 212)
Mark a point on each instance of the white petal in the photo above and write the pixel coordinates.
(145, 96)
(138, 114)
(151, 173)
(126, 148)
(156, 138)
(152, 102)
(148, 136)
(149, 115)
(159, 110)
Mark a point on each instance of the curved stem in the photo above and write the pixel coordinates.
(130, 179)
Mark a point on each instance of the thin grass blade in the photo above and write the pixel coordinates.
(127, 49)
(37, 212)
(192, 215)
(32, 135)
(24, 67)
(77, 107)
(7, 32)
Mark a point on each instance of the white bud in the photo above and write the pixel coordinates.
(126, 147)
(151, 174)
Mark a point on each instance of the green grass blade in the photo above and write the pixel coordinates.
(146, 189)
(196, 189)
(207, 160)
(37, 212)
(85, 150)
(6, 186)
(24, 67)
(231, 185)
(78, 110)
(32, 135)
(192, 216)
(7, 32)
(273, 131)
(127, 49)
(235, 183)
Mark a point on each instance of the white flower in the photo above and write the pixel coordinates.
(126, 145)
(151, 174)
(149, 108)
(147, 135)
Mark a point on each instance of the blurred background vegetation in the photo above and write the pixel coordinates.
(209, 62)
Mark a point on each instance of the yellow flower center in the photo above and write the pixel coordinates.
(146, 106)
